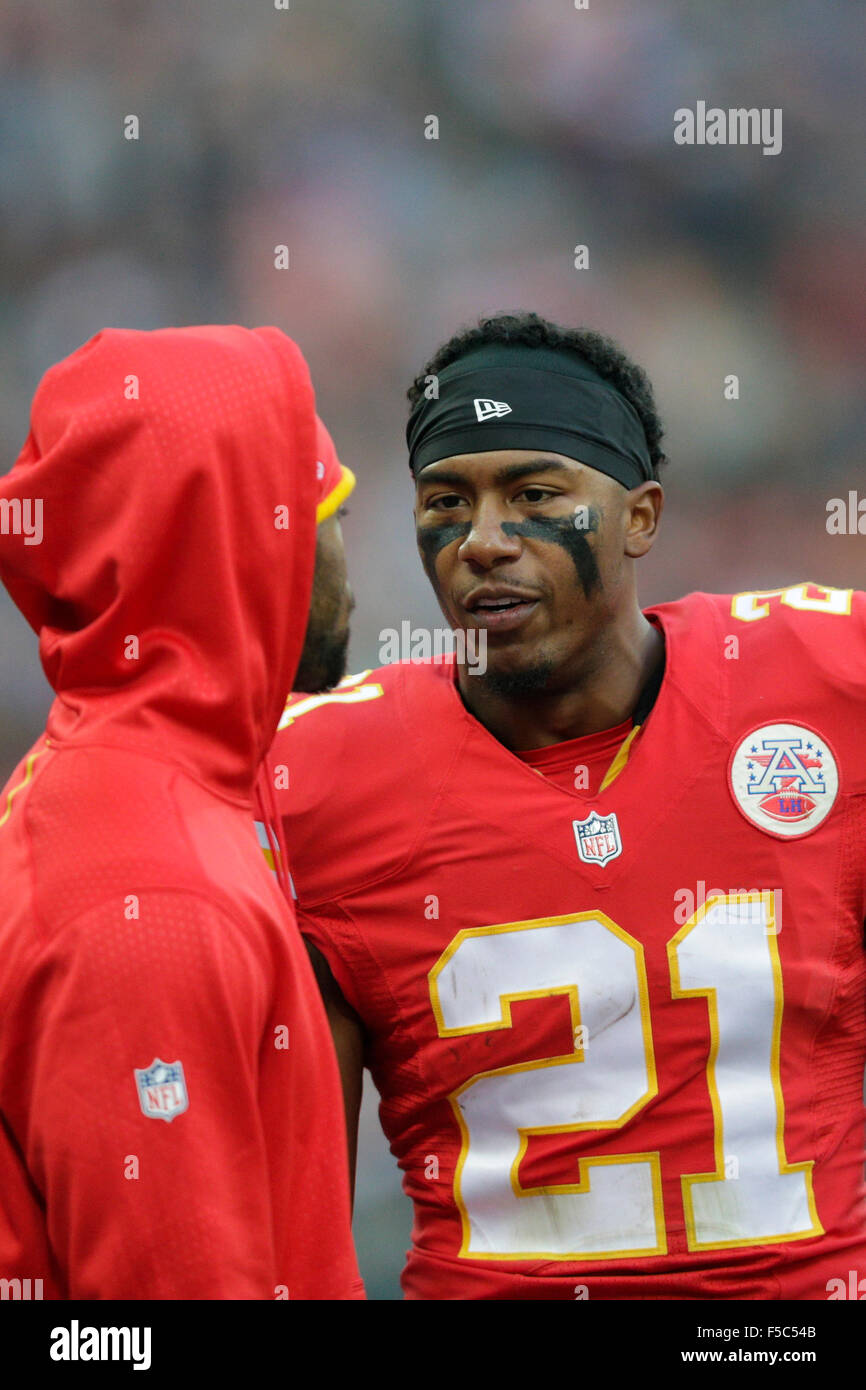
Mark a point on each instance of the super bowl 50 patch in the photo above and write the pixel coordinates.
(162, 1090)
(784, 778)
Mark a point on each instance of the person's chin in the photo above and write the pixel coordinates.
(526, 676)
(327, 668)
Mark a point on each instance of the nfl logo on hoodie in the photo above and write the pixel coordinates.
(162, 1090)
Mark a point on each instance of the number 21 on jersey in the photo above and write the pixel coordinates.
(616, 1209)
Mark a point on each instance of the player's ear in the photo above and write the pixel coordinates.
(643, 512)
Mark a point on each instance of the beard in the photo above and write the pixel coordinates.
(532, 680)
(323, 661)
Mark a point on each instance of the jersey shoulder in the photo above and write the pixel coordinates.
(820, 631)
(816, 627)
(794, 655)
(352, 786)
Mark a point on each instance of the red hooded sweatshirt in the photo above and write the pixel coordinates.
(171, 1122)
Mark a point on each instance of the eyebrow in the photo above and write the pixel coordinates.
(507, 474)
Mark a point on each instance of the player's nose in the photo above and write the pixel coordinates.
(487, 542)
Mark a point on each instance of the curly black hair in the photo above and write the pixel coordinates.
(530, 329)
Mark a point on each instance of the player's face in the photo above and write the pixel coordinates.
(535, 549)
(323, 659)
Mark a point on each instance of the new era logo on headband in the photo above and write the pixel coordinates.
(489, 410)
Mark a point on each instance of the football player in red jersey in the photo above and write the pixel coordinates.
(591, 909)
(171, 1120)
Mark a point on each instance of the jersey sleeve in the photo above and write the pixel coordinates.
(358, 975)
(338, 768)
(805, 649)
(833, 632)
(858, 614)
(821, 630)
(140, 1206)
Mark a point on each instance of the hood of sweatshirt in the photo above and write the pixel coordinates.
(158, 532)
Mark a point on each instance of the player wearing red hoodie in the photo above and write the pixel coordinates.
(170, 1112)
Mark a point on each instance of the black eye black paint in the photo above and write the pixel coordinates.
(432, 539)
(560, 530)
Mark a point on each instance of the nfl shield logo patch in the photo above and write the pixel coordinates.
(161, 1090)
(598, 838)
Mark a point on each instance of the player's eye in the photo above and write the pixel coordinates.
(537, 494)
(446, 503)
(341, 512)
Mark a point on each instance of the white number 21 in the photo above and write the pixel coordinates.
(726, 953)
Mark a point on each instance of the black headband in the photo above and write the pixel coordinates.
(510, 396)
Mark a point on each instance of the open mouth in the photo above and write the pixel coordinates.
(501, 613)
(495, 605)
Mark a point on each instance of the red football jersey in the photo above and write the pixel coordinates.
(171, 1122)
(619, 1038)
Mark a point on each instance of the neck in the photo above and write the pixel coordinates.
(602, 694)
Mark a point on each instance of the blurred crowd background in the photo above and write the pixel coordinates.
(262, 126)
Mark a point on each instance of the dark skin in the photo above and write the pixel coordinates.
(322, 666)
(572, 659)
(326, 641)
(347, 1032)
(578, 661)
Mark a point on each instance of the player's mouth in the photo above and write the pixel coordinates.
(498, 609)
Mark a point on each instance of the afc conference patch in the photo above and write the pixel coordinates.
(598, 838)
(784, 778)
(162, 1090)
